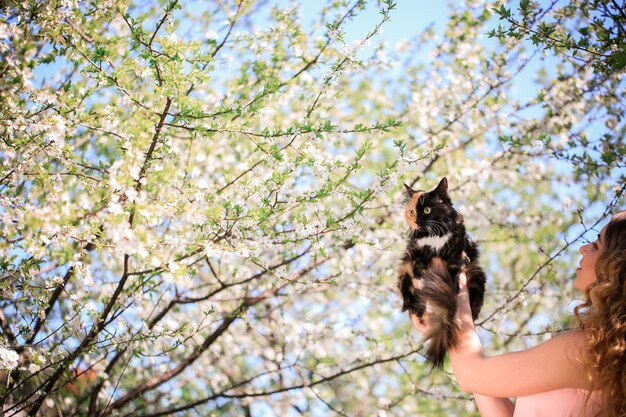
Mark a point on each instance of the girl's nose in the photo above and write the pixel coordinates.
(583, 248)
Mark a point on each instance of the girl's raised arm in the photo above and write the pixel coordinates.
(554, 364)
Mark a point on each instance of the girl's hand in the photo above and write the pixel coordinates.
(420, 324)
(464, 311)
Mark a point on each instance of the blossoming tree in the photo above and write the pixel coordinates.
(202, 202)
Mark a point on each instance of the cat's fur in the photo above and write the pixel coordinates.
(438, 249)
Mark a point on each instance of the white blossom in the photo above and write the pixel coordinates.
(8, 359)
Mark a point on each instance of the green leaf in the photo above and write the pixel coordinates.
(524, 7)
(275, 152)
(618, 60)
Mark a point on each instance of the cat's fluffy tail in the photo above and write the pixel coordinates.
(440, 291)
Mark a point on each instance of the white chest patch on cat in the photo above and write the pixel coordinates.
(435, 242)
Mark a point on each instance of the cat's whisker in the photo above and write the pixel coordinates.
(444, 228)
(439, 228)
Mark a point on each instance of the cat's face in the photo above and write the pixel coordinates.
(427, 209)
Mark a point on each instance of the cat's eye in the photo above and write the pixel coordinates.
(426, 210)
(412, 213)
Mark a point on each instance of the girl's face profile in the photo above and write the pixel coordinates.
(586, 273)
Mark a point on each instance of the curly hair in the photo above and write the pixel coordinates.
(602, 317)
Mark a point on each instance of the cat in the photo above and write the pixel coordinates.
(438, 249)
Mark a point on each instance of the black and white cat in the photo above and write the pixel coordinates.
(438, 249)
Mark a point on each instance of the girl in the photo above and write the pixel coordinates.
(579, 373)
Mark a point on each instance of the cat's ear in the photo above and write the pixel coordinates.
(442, 188)
(408, 191)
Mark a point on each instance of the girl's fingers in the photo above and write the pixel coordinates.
(463, 297)
(462, 280)
(463, 303)
(419, 324)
